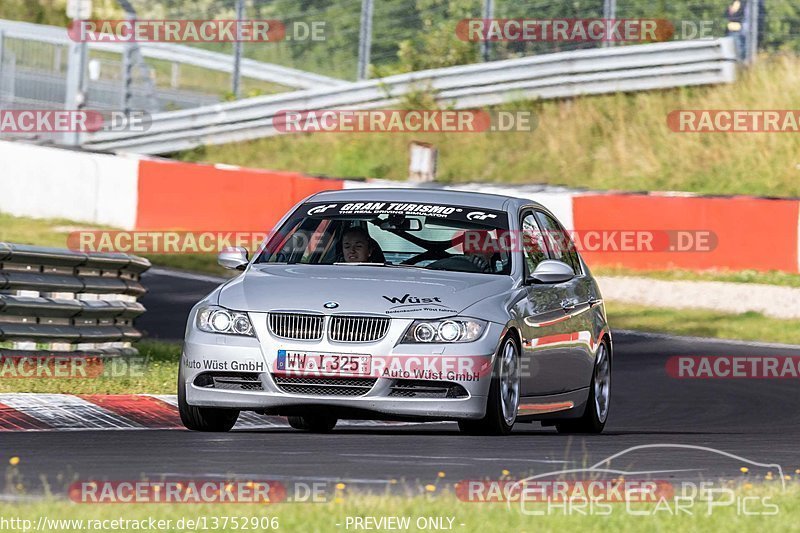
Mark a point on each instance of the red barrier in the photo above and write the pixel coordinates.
(751, 233)
(192, 196)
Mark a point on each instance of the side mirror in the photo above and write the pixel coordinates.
(234, 258)
(551, 271)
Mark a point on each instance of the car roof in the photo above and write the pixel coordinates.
(426, 195)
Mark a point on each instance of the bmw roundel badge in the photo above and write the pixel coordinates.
(330, 305)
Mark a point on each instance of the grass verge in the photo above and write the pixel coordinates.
(783, 279)
(333, 516)
(155, 371)
(750, 326)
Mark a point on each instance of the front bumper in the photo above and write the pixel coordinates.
(206, 353)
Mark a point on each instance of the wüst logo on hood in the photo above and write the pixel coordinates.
(408, 299)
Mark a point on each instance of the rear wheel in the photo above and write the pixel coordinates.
(503, 400)
(203, 418)
(595, 415)
(313, 423)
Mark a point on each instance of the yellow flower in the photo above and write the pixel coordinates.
(748, 486)
(506, 472)
(393, 482)
(14, 461)
(340, 486)
(440, 474)
(744, 470)
(430, 488)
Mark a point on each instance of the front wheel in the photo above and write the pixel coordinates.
(503, 400)
(203, 418)
(595, 415)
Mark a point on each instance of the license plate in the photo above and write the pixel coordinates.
(315, 363)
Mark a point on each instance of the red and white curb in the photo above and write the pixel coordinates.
(68, 412)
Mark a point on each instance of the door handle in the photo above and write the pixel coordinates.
(594, 301)
(568, 306)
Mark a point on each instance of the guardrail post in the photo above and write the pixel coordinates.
(364, 39)
(752, 37)
(76, 85)
(486, 45)
(237, 51)
(609, 12)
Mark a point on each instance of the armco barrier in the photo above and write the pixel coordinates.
(750, 233)
(60, 302)
(558, 75)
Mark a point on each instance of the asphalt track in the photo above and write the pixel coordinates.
(755, 420)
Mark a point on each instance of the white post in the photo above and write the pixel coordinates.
(365, 39)
(237, 52)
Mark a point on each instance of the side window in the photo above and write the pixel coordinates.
(533, 247)
(558, 242)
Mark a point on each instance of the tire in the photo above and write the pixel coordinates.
(594, 416)
(203, 418)
(313, 423)
(502, 403)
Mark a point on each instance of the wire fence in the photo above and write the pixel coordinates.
(407, 35)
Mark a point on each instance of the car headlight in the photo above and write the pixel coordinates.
(444, 331)
(215, 319)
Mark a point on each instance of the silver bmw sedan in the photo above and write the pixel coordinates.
(403, 304)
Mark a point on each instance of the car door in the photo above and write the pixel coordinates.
(570, 357)
(543, 321)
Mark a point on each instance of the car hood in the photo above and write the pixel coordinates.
(396, 292)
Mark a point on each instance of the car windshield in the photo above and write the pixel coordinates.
(431, 236)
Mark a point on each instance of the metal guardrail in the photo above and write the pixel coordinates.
(177, 53)
(559, 75)
(56, 301)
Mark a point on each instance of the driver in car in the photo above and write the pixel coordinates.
(357, 246)
(480, 248)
